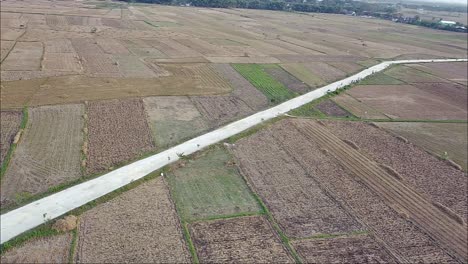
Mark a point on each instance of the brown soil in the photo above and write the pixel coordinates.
(412, 75)
(10, 122)
(118, 132)
(54, 249)
(25, 56)
(242, 88)
(48, 154)
(357, 108)
(454, 94)
(221, 109)
(61, 62)
(348, 67)
(404, 239)
(291, 82)
(453, 71)
(140, 225)
(266, 164)
(401, 197)
(325, 71)
(240, 240)
(348, 249)
(428, 174)
(330, 108)
(408, 102)
(442, 139)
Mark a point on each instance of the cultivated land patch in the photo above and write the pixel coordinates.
(324, 71)
(429, 175)
(210, 186)
(273, 90)
(287, 189)
(347, 67)
(10, 122)
(452, 93)
(412, 75)
(118, 132)
(242, 88)
(440, 223)
(330, 108)
(25, 56)
(52, 249)
(173, 119)
(357, 108)
(380, 78)
(300, 71)
(453, 71)
(219, 110)
(403, 238)
(49, 152)
(288, 80)
(409, 102)
(244, 240)
(61, 62)
(346, 249)
(446, 140)
(140, 225)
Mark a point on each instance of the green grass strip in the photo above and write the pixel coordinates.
(44, 230)
(188, 239)
(271, 88)
(10, 152)
(73, 245)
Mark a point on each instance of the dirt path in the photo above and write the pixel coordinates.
(446, 230)
(32, 215)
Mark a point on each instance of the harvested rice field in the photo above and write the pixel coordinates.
(411, 102)
(446, 140)
(245, 239)
(288, 80)
(218, 110)
(52, 249)
(347, 249)
(210, 186)
(122, 121)
(173, 119)
(10, 122)
(358, 108)
(456, 72)
(300, 72)
(48, 153)
(330, 108)
(145, 216)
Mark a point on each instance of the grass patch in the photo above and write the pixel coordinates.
(44, 230)
(380, 79)
(73, 245)
(12, 149)
(188, 240)
(208, 185)
(271, 88)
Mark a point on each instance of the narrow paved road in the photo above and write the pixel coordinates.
(36, 213)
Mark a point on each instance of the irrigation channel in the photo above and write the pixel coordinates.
(29, 216)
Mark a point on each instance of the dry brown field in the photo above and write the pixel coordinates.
(330, 108)
(10, 122)
(53, 249)
(457, 72)
(410, 102)
(244, 239)
(218, 110)
(109, 122)
(24, 56)
(48, 154)
(357, 108)
(446, 140)
(141, 225)
(347, 249)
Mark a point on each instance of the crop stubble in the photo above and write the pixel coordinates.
(10, 122)
(49, 153)
(140, 225)
(118, 132)
(243, 240)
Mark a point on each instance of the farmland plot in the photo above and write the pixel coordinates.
(173, 49)
(357, 108)
(11, 33)
(452, 93)
(347, 67)
(347, 249)
(140, 225)
(408, 102)
(173, 119)
(10, 122)
(54, 21)
(242, 88)
(380, 78)
(243, 240)
(453, 71)
(49, 153)
(404, 239)
(116, 121)
(61, 62)
(5, 47)
(53, 249)
(436, 220)
(25, 56)
(282, 76)
(299, 71)
(412, 75)
(210, 186)
(443, 139)
(221, 109)
(330, 108)
(132, 67)
(273, 90)
(59, 46)
(287, 189)
(324, 71)
(429, 175)
(112, 46)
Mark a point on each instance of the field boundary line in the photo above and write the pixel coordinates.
(33, 214)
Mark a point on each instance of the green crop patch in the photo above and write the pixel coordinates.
(210, 187)
(381, 79)
(273, 90)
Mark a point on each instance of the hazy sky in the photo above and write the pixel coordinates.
(445, 1)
